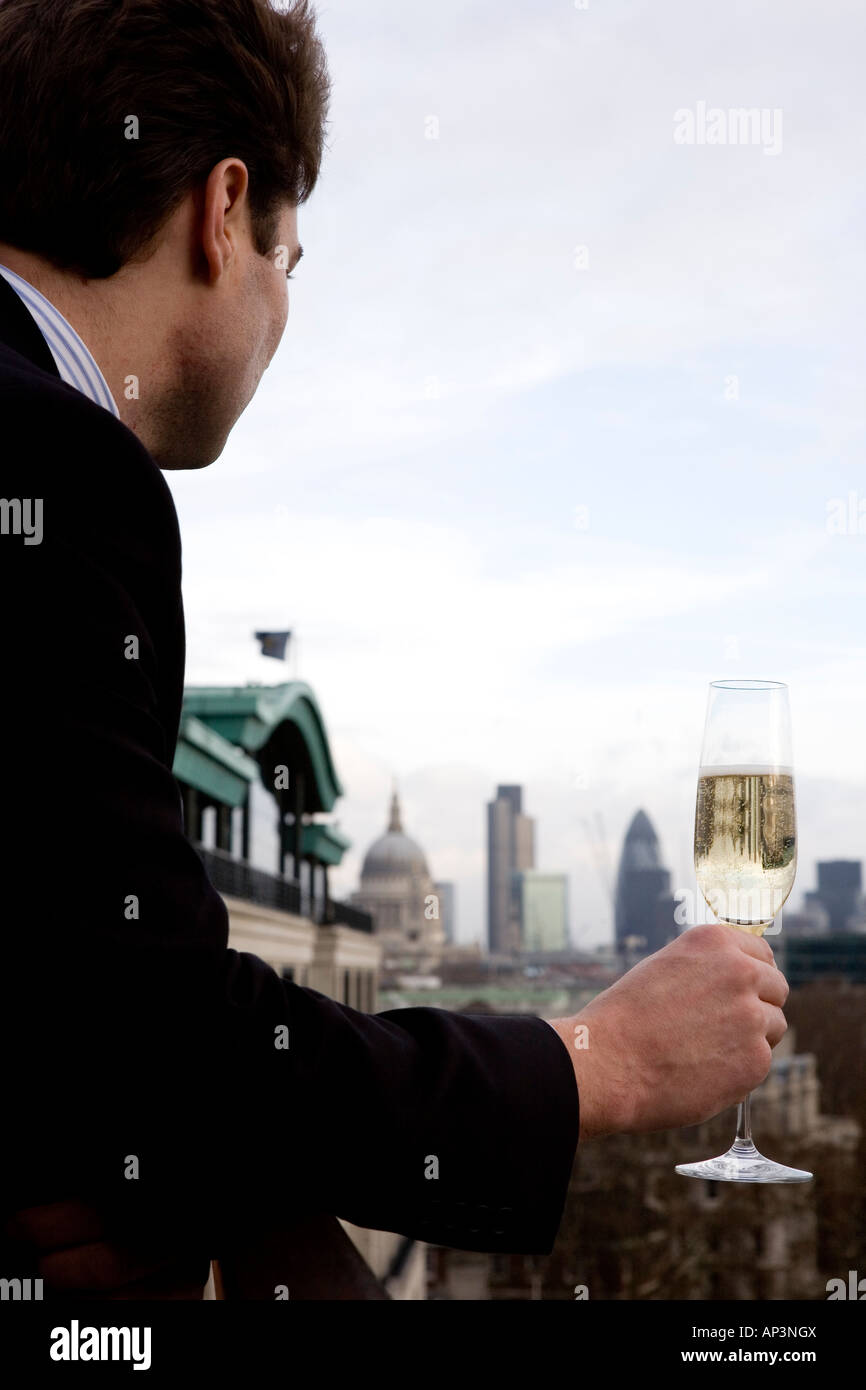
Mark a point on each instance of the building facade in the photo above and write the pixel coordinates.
(446, 893)
(397, 891)
(835, 955)
(510, 848)
(840, 894)
(644, 907)
(542, 909)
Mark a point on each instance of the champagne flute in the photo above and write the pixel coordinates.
(746, 854)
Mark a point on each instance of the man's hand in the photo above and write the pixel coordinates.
(77, 1257)
(683, 1035)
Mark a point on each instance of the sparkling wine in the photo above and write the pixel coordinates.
(746, 856)
(745, 843)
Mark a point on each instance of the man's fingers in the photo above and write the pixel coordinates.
(776, 1026)
(56, 1225)
(773, 988)
(100, 1266)
(755, 946)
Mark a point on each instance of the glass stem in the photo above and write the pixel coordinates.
(744, 1124)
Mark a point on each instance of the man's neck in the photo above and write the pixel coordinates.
(105, 316)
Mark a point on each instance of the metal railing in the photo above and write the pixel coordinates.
(239, 879)
(344, 914)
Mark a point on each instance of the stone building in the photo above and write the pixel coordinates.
(397, 891)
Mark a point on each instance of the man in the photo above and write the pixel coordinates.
(152, 160)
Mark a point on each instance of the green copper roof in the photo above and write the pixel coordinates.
(325, 843)
(210, 763)
(280, 725)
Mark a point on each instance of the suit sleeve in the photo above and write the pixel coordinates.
(183, 1082)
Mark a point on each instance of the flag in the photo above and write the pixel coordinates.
(273, 643)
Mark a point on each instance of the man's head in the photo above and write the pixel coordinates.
(153, 154)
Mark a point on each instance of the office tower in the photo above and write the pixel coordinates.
(644, 908)
(542, 908)
(840, 893)
(446, 896)
(510, 847)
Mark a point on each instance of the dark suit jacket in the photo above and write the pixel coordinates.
(139, 1048)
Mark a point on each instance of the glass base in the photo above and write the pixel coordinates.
(743, 1163)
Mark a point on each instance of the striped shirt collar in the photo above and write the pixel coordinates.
(75, 362)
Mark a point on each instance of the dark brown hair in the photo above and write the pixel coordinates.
(204, 80)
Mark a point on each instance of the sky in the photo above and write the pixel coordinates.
(567, 421)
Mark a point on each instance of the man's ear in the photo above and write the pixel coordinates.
(223, 213)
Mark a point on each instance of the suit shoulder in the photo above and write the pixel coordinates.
(56, 438)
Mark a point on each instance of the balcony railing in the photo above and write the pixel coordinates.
(344, 914)
(239, 879)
